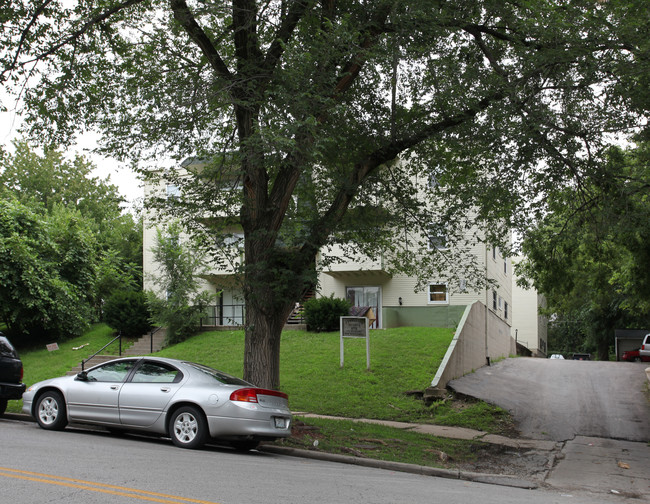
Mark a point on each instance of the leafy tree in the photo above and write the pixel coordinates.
(589, 255)
(302, 107)
(46, 273)
(179, 303)
(53, 182)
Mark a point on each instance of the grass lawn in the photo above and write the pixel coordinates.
(401, 360)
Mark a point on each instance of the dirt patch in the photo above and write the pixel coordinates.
(497, 459)
(484, 458)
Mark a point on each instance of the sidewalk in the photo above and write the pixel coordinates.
(587, 464)
(608, 466)
(452, 432)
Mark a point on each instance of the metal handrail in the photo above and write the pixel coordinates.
(118, 337)
(151, 338)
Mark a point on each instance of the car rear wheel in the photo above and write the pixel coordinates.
(637, 359)
(50, 411)
(188, 427)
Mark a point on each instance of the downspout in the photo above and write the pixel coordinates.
(487, 293)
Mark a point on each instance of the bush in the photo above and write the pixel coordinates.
(128, 313)
(181, 320)
(323, 314)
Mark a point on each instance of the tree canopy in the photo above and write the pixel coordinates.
(313, 102)
(590, 254)
(66, 245)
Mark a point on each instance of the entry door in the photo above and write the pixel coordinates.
(367, 296)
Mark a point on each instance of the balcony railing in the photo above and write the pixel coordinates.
(224, 315)
(234, 315)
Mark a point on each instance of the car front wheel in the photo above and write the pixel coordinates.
(188, 427)
(50, 411)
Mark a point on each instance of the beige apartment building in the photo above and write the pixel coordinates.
(394, 298)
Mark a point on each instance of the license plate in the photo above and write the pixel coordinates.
(280, 423)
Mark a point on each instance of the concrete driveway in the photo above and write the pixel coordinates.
(562, 399)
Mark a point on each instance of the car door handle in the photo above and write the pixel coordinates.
(165, 389)
(114, 387)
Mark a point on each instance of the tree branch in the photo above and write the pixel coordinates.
(183, 15)
(388, 152)
(296, 11)
(72, 37)
(377, 26)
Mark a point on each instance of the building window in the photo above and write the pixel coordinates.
(433, 180)
(505, 310)
(234, 240)
(437, 240)
(494, 253)
(438, 294)
(494, 300)
(505, 266)
(173, 191)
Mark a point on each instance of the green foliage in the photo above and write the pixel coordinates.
(323, 314)
(589, 256)
(183, 304)
(504, 102)
(47, 272)
(59, 188)
(128, 313)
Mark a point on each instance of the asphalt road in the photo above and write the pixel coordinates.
(562, 399)
(38, 466)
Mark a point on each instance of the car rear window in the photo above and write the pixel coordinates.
(6, 350)
(220, 376)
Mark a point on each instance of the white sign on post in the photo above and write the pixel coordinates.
(355, 327)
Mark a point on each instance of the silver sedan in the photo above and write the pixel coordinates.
(188, 402)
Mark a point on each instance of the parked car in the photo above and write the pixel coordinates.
(581, 356)
(188, 402)
(11, 374)
(557, 356)
(634, 356)
(644, 351)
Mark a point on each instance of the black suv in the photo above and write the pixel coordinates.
(11, 374)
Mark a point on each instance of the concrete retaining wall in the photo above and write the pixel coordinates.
(470, 348)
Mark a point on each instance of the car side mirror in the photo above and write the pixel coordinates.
(83, 376)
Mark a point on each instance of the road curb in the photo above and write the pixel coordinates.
(493, 479)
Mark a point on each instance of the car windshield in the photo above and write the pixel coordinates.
(218, 375)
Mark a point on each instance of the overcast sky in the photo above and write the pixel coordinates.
(120, 175)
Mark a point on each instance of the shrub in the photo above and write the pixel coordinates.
(322, 314)
(128, 313)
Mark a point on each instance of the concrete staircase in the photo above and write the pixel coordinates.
(142, 346)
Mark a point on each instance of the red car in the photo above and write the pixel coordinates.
(634, 356)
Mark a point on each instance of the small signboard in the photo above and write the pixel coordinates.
(52, 346)
(355, 327)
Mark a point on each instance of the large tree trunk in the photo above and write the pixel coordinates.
(262, 345)
(275, 279)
